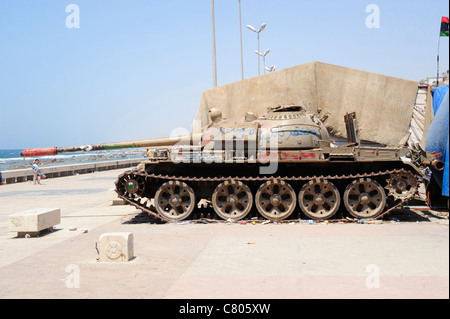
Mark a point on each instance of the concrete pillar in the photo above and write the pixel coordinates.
(116, 247)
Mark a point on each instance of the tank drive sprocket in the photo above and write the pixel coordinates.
(402, 185)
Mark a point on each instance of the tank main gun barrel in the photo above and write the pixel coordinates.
(156, 142)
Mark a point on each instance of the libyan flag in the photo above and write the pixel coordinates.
(444, 27)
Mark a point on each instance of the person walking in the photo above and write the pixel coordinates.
(37, 172)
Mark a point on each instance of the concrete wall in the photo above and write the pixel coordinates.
(23, 175)
(383, 104)
(429, 115)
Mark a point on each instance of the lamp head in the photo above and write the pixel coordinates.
(251, 28)
(262, 27)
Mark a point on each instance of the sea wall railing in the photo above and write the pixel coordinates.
(23, 175)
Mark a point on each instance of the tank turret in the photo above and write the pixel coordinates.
(291, 126)
(274, 165)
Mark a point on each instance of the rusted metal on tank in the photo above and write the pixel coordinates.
(351, 126)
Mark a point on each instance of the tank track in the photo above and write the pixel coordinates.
(142, 203)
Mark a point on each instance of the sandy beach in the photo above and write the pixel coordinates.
(405, 259)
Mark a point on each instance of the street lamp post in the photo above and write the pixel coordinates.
(262, 27)
(213, 44)
(264, 57)
(240, 31)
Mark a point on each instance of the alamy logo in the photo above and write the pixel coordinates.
(73, 19)
(373, 279)
(73, 279)
(373, 19)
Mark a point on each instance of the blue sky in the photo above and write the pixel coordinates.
(136, 69)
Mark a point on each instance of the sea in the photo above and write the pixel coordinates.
(10, 159)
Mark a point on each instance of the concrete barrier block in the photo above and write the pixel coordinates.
(34, 220)
(118, 201)
(114, 198)
(116, 247)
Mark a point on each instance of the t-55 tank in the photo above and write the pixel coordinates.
(269, 166)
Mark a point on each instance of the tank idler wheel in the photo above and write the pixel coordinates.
(174, 200)
(319, 199)
(364, 198)
(232, 200)
(275, 200)
(132, 186)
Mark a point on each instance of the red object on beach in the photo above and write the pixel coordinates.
(34, 152)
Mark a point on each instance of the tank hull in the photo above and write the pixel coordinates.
(317, 184)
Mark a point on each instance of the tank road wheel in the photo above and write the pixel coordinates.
(319, 199)
(174, 200)
(402, 185)
(232, 200)
(364, 198)
(131, 186)
(275, 200)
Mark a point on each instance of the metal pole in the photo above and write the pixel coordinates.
(437, 74)
(264, 63)
(213, 44)
(240, 30)
(259, 59)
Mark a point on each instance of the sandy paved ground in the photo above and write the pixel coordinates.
(406, 259)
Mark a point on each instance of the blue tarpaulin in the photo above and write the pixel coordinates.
(438, 96)
(437, 136)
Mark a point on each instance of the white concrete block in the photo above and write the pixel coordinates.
(116, 247)
(115, 200)
(34, 220)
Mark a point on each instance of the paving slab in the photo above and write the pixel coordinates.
(406, 259)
